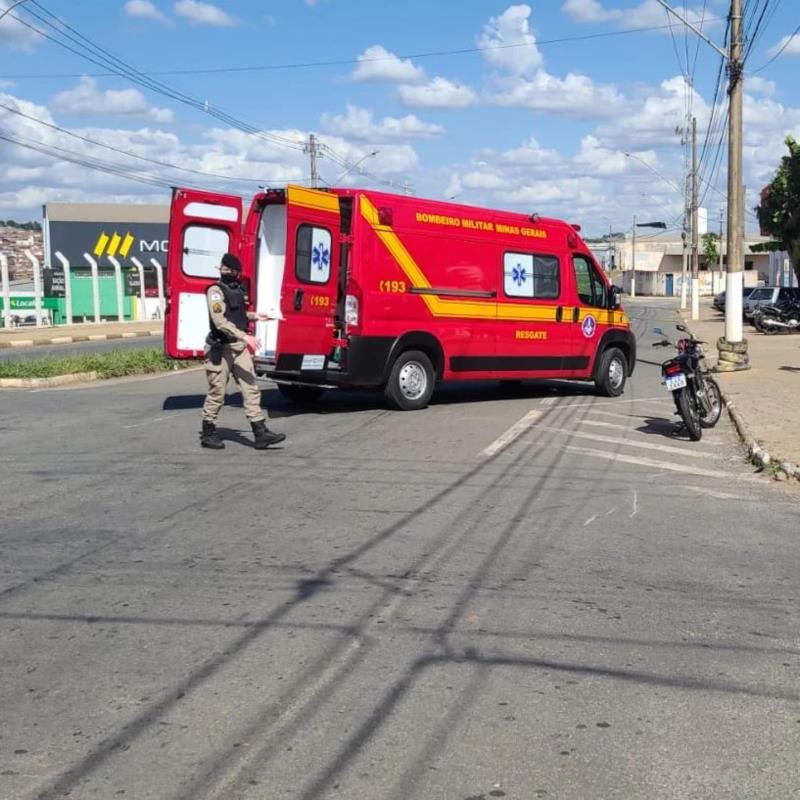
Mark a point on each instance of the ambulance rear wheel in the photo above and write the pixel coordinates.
(301, 395)
(411, 381)
(612, 371)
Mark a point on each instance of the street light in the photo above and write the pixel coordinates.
(662, 225)
(680, 191)
(353, 166)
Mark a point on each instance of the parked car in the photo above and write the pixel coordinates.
(719, 300)
(768, 295)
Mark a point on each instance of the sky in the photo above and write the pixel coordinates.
(576, 109)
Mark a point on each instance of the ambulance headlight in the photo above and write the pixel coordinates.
(351, 310)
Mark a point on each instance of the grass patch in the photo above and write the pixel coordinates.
(113, 364)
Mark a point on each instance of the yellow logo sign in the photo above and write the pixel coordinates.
(113, 245)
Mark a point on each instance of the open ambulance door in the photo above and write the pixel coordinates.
(203, 226)
(310, 280)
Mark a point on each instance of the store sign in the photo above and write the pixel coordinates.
(103, 240)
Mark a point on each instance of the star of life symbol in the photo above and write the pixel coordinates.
(589, 326)
(320, 256)
(518, 275)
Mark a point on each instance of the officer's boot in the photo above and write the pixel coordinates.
(210, 438)
(264, 437)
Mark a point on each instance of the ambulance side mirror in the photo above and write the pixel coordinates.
(614, 297)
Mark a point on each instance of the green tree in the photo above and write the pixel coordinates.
(710, 251)
(779, 212)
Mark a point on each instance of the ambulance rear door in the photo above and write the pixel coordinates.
(310, 281)
(203, 227)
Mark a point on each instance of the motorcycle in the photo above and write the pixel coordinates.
(696, 394)
(779, 318)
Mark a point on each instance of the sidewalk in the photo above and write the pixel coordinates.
(64, 334)
(765, 398)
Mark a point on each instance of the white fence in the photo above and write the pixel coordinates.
(42, 316)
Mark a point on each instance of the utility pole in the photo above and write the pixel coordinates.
(732, 346)
(312, 148)
(633, 259)
(721, 221)
(695, 243)
(733, 349)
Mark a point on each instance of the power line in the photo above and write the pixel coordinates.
(788, 41)
(351, 61)
(156, 162)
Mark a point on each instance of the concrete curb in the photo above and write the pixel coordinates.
(56, 380)
(91, 337)
(783, 469)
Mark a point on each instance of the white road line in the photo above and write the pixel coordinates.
(662, 465)
(613, 414)
(617, 401)
(635, 505)
(547, 401)
(662, 448)
(590, 520)
(514, 432)
(599, 424)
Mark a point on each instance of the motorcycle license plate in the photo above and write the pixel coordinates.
(675, 382)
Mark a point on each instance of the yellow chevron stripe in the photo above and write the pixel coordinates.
(470, 308)
(127, 243)
(115, 240)
(311, 198)
(100, 245)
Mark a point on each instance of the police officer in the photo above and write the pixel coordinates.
(228, 352)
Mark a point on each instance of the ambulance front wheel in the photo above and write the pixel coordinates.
(612, 371)
(411, 381)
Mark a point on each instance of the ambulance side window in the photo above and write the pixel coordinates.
(312, 258)
(203, 247)
(591, 289)
(531, 276)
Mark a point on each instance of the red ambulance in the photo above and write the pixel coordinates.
(397, 292)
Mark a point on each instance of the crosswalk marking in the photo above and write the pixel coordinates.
(662, 465)
(662, 448)
(514, 432)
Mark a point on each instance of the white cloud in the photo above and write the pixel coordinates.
(756, 85)
(358, 123)
(378, 64)
(86, 100)
(527, 84)
(501, 37)
(143, 9)
(574, 96)
(13, 33)
(200, 13)
(589, 11)
(650, 121)
(789, 45)
(438, 93)
(648, 14)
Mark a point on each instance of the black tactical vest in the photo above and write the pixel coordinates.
(235, 312)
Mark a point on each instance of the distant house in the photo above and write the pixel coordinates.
(659, 265)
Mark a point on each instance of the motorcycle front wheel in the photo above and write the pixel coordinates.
(714, 396)
(689, 414)
(768, 330)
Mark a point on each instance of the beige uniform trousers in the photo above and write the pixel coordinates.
(222, 361)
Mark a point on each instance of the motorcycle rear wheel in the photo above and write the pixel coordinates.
(690, 414)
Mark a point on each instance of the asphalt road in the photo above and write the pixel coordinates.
(80, 348)
(393, 605)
